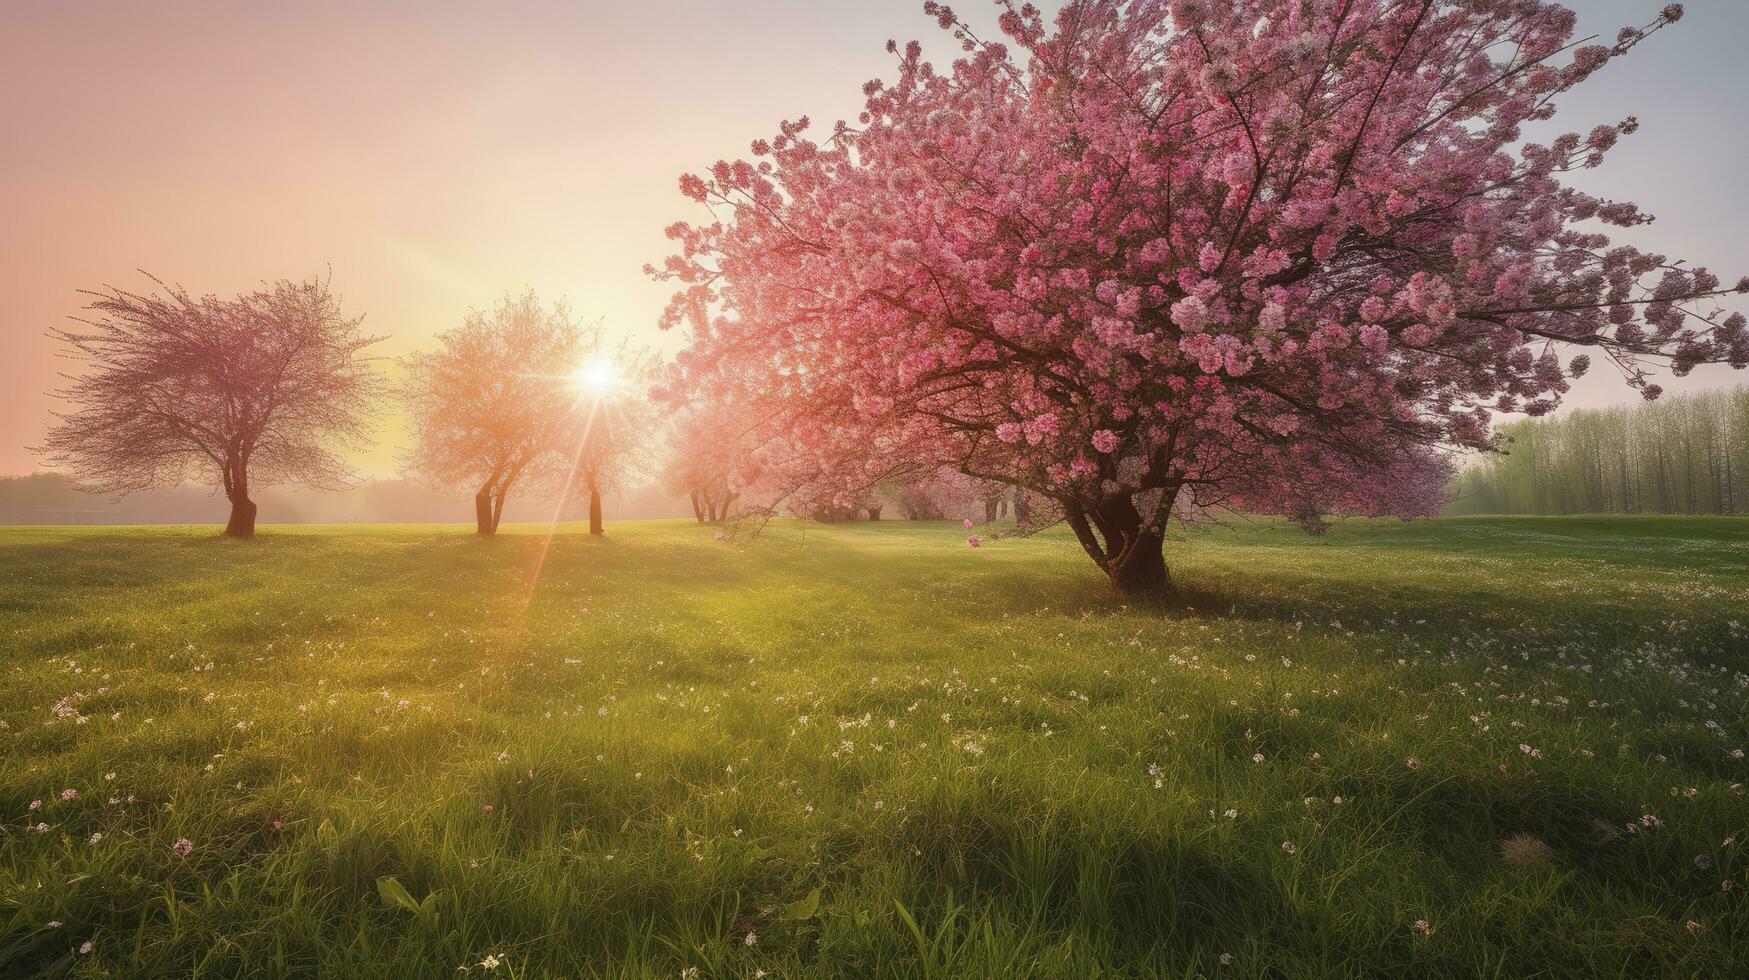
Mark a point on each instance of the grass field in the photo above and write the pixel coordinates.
(873, 751)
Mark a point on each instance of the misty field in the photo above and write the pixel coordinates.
(1475, 747)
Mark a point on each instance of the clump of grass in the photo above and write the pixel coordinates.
(1526, 851)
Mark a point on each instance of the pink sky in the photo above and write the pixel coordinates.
(435, 155)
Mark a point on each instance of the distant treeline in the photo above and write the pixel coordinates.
(1681, 454)
(52, 498)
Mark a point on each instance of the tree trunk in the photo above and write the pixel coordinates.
(1142, 572)
(483, 523)
(1132, 556)
(698, 507)
(242, 523)
(594, 511)
(236, 481)
(874, 513)
(1022, 509)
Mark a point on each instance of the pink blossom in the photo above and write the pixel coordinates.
(1190, 314)
(979, 275)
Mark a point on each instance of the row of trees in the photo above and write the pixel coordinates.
(1146, 259)
(1681, 455)
(271, 386)
(1136, 263)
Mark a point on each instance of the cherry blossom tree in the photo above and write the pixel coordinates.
(621, 429)
(239, 393)
(498, 405)
(707, 463)
(920, 499)
(1276, 255)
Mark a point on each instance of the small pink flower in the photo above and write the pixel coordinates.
(183, 846)
(1694, 927)
(1422, 928)
(1413, 762)
(486, 809)
(968, 523)
(973, 541)
(68, 794)
(1288, 846)
(279, 825)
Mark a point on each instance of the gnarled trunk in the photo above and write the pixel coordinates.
(874, 513)
(698, 511)
(236, 481)
(1143, 571)
(1130, 551)
(595, 511)
(242, 522)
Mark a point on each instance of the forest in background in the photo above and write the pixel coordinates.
(1681, 454)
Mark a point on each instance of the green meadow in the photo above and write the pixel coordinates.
(1468, 748)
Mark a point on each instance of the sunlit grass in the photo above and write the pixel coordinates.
(873, 751)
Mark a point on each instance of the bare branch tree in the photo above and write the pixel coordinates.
(237, 393)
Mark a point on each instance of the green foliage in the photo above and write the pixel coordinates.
(869, 750)
(395, 895)
(1682, 454)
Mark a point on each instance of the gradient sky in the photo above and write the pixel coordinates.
(437, 154)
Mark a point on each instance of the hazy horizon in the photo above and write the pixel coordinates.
(433, 157)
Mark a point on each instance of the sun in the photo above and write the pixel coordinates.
(596, 377)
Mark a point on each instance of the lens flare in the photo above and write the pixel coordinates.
(597, 377)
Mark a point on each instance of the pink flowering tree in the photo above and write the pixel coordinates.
(1273, 255)
(708, 462)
